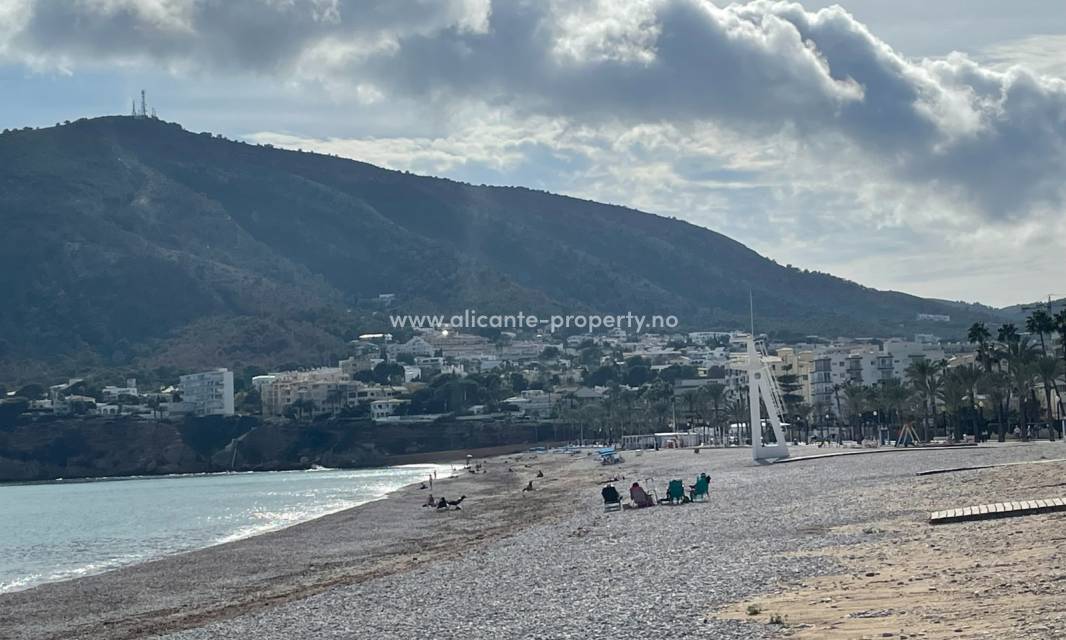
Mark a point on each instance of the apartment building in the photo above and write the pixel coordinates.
(327, 388)
(208, 393)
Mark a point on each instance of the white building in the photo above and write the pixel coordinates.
(521, 350)
(327, 389)
(209, 393)
(532, 402)
(416, 346)
(112, 392)
(370, 393)
(380, 409)
(904, 352)
(453, 369)
(452, 344)
(865, 364)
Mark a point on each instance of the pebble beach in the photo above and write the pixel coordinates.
(753, 561)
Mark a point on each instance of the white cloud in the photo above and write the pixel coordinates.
(1042, 54)
(798, 132)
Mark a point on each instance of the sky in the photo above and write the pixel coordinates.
(909, 145)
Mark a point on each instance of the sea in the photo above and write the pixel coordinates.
(59, 530)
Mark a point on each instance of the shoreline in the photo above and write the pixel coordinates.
(450, 456)
(244, 532)
(222, 580)
(550, 562)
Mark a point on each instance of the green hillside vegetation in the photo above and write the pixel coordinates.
(132, 242)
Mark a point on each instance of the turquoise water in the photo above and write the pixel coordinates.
(61, 530)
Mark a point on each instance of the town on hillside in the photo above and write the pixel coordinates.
(683, 387)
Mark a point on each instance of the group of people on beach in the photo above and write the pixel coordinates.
(641, 499)
(443, 503)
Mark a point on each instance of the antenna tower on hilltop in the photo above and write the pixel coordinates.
(142, 111)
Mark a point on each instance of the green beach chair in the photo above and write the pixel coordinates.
(675, 491)
(702, 489)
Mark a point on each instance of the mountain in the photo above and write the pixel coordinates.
(1017, 313)
(133, 242)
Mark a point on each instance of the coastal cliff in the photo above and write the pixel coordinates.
(102, 447)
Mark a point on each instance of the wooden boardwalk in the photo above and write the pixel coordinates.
(998, 510)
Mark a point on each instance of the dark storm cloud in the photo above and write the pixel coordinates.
(996, 140)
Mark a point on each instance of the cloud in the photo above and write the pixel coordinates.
(800, 132)
(994, 139)
(1043, 54)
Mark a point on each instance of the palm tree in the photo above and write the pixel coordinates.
(803, 416)
(836, 399)
(996, 386)
(738, 410)
(894, 396)
(334, 398)
(969, 376)
(1040, 322)
(856, 400)
(1060, 327)
(711, 398)
(953, 394)
(926, 377)
(1007, 333)
(821, 408)
(1020, 357)
(980, 335)
(1049, 369)
(626, 398)
(156, 406)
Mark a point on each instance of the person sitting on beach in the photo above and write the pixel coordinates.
(442, 503)
(640, 497)
(610, 494)
(540, 474)
(429, 501)
(528, 487)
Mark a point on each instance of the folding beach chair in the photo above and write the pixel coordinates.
(701, 490)
(612, 500)
(675, 491)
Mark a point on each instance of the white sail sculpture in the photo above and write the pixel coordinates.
(763, 387)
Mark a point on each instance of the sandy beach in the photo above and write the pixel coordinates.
(830, 548)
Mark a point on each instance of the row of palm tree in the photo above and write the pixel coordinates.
(999, 388)
(1001, 385)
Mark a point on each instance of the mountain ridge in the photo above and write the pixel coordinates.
(123, 233)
